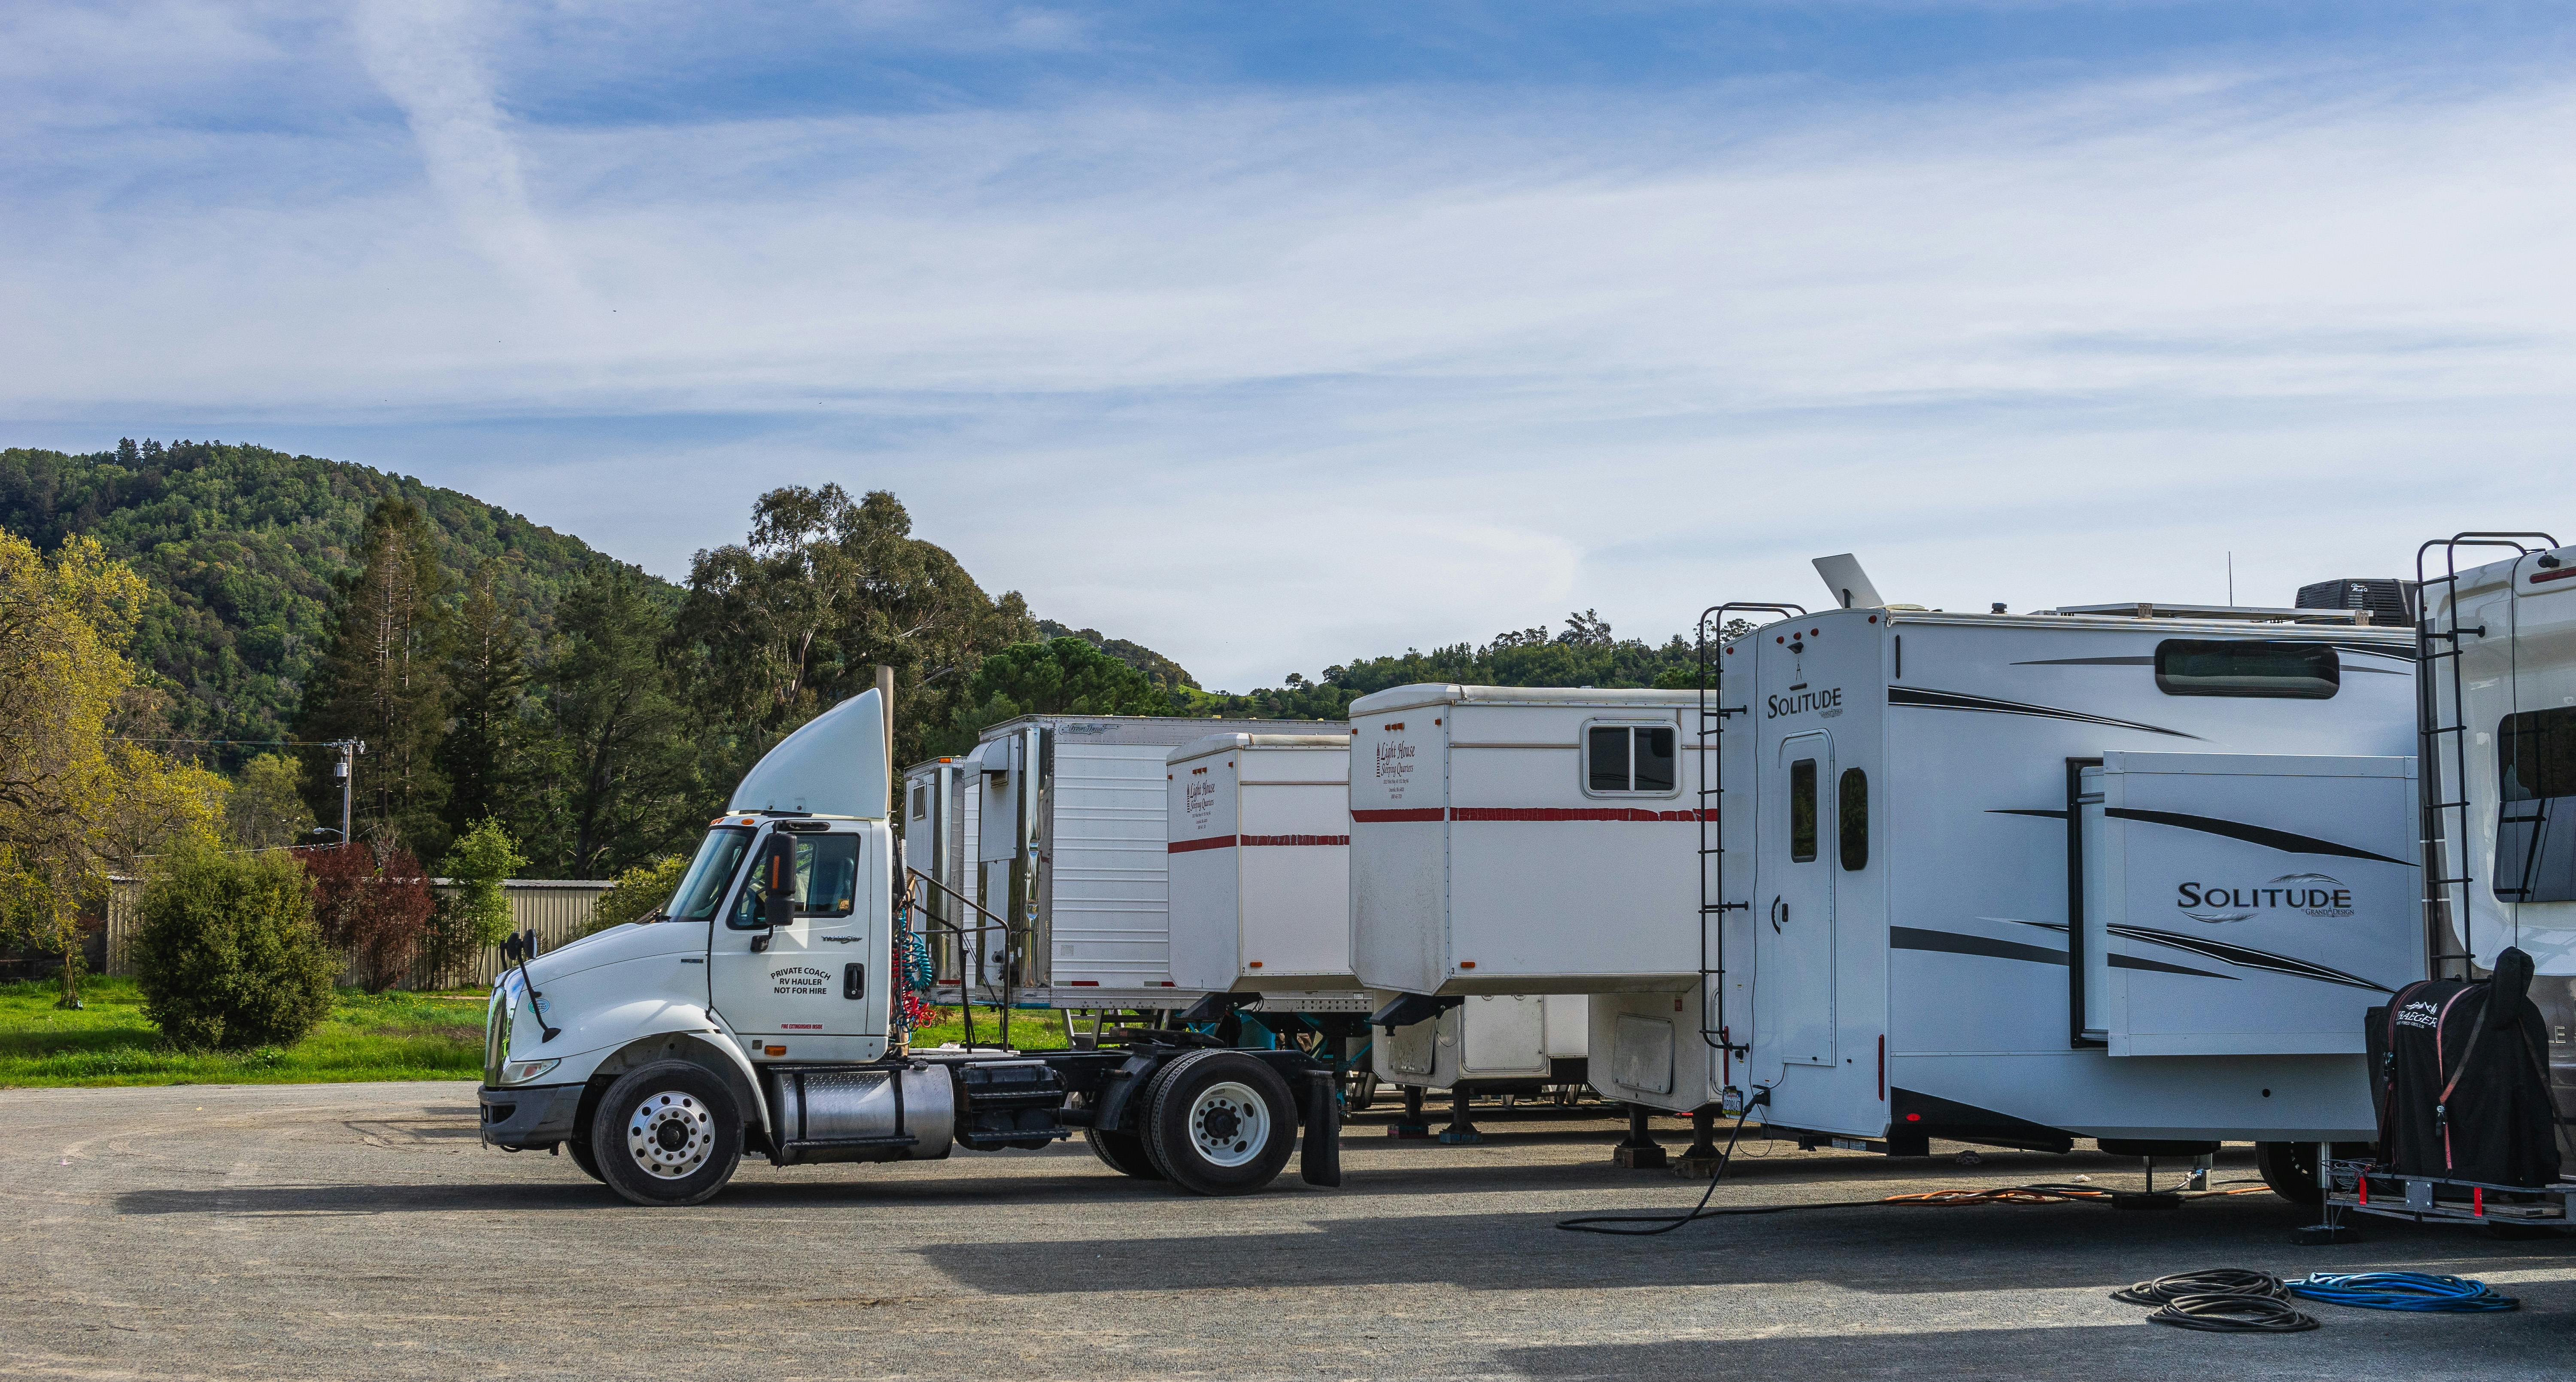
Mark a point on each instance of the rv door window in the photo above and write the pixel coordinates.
(1630, 758)
(2242, 667)
(2536, 821)
(1802, 811)
(1851, 819)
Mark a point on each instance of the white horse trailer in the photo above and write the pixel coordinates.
(2129, 873)
(1061, 835)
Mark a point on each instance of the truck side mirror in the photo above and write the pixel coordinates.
(778, 876)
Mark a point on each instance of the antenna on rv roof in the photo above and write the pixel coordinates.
(1848, 582)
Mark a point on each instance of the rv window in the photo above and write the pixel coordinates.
(2237, 667)
(920, 801)
(2535, 857)
(1654, 760)
(1802, 810)
(1609, 755)
(1851, 818)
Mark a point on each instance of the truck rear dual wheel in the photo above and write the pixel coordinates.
(1219, 1123)
(668, 1133)
(1123, 1152)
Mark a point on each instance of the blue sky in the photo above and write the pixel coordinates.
(1275, 335)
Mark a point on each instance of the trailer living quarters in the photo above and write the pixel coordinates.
(1060, 831)
(1261, 831)
(1956, 890)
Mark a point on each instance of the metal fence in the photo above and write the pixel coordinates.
(557, 909)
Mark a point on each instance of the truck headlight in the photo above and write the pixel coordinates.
(520, 1072)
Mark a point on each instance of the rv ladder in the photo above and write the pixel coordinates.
(2434, 646)
(1710, 761)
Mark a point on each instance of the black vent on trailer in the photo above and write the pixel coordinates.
(2389, 601)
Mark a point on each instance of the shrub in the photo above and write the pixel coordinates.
(376, 908)
(226, 952)
(638, 893)
(477, 912)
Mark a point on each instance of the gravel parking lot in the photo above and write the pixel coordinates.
(361, 1230)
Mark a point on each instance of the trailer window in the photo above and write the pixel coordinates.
(1802, 810)
(1609, 755)
(1851, 820)
(920, 801)
(826, 881)
(2241, 667)
(1654, 759)
(2536, 820)
(1629, 758)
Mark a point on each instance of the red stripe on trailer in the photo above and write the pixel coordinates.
(1251, 840)
(1568, 813)
(1426, 813)
(2563, 573)
(1212, 842)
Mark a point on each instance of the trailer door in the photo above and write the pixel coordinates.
(1794, 983)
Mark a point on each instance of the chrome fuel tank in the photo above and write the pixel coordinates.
(902, 1112)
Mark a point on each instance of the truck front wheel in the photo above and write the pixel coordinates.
(1220, 1123)
(668, 1133)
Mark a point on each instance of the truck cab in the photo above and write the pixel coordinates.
(758, 1011)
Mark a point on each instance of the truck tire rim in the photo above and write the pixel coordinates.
(670, 1134)
(1229, 1123)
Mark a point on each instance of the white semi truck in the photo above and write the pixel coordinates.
(756, 1013)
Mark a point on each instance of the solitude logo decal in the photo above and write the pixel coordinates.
(1829, 701)
(2316, 894)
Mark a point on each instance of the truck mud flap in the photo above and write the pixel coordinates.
(1319, 1157)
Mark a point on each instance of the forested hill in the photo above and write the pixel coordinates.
(242, 546)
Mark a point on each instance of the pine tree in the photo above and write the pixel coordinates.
(621, 762)
(383, 680)
(486, 678)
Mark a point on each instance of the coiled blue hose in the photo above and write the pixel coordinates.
(2399, 1291)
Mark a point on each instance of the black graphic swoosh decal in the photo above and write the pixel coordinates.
(2120, 961)
(1960, 700)
(2141, 661)
(2250, 959)
(1952, 943)
(2024, 811)
(2282, 840)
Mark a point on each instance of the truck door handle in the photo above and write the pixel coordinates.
(854, 981)
(1779, 913)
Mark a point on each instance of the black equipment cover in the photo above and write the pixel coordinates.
(2462, 1080)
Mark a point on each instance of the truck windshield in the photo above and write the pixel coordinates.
(702, 888)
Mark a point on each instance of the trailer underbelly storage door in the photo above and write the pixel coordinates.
(2243, 904)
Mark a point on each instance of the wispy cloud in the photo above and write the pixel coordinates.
(1268, 378)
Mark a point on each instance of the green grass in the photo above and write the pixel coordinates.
(1032, 1029)
(387, 1036)
(390, 1036)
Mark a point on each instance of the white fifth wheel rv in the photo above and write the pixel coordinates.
(1261, 830)
(2128, 872)
(1057, 824)
(2500, 774)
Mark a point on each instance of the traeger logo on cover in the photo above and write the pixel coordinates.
(800, 979)
(2316, 894)
(2419, 1015)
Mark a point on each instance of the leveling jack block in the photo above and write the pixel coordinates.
(1701, 1160)
(1639, 1151)
(1461, 1128)
(1411, 1125)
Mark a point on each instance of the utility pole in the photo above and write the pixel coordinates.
(344, 770)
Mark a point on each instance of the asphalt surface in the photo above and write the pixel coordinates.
(361, 1231)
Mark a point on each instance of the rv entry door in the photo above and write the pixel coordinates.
(1794, 885)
